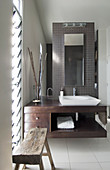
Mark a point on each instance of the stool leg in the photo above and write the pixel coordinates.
(49, 155)
(41, 165)
(24, 166)
(16, 167)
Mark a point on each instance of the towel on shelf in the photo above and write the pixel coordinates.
(65, 122)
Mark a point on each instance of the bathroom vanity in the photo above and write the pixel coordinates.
(71, 65)
(45, 114)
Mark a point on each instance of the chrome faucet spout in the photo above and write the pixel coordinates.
(49, 89)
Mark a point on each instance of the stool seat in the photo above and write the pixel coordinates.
(30, 150)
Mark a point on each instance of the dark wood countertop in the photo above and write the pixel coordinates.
(53, 105)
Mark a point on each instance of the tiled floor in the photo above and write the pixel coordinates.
(79, 153)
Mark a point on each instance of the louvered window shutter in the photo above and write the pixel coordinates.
(16, 72)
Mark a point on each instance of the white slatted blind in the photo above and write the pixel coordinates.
(16, 72)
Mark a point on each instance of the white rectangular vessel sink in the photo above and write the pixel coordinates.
(79, 100)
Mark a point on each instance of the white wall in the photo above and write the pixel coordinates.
(33, 36)
(102, 67)
(108, 65)
(5, 84)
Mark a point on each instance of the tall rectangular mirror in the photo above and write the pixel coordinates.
(74, 59)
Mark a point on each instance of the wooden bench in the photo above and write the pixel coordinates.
(30, 150)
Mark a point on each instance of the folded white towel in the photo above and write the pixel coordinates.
(65, 122)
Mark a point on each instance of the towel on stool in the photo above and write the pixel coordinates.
(65, 122)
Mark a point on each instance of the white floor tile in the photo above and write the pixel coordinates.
(85, 166)
(105, 165)
(62, 166)
(78, 145)
(59, 150)
(82, 157)
(100, 145)
(57, 144)
(102, 156)
(60, 157)
(101, 149)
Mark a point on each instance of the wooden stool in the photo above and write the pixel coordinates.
(30, 150)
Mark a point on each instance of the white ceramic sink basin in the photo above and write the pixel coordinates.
(79, 100)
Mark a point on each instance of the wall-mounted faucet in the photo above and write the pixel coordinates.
(74, 91)
(48, 90)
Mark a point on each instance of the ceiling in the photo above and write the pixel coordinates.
(97, 11)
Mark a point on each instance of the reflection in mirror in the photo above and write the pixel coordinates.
(74, 59)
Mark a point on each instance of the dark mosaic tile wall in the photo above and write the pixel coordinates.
(58, 69)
